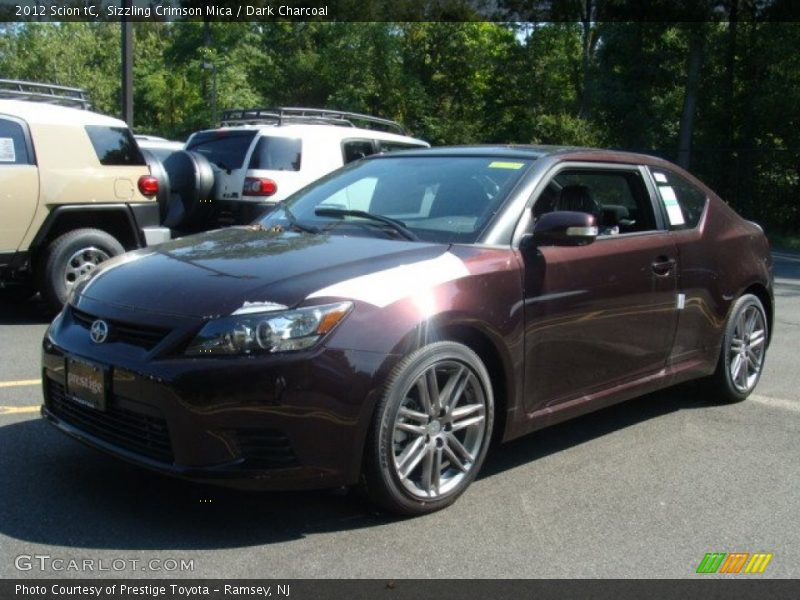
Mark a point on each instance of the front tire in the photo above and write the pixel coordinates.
(71, 255)
(744, 347)
(431, 430)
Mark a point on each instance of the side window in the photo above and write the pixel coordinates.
(115, 146)
(356, 149)
(618, 199)
(13, 146)
(683, 201)
(277, 154)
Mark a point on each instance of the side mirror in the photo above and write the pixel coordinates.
(564, 228)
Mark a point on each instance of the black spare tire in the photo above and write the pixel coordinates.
(191, 185)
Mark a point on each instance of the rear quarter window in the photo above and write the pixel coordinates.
(684, 201)
(13, 144)
(115, 146)
(277, 154)
(357, 149)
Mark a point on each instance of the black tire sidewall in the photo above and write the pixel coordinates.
(385, 486)
(52, 285)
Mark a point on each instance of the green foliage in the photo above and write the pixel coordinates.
(581, 81)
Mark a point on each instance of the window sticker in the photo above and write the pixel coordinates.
(660, 177)
(7, 153)
(674, 211)
(499, 164)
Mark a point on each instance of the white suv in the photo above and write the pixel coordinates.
(261, 156)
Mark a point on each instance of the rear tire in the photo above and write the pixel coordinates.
(744, 348)
(68, 257)
(431, 430)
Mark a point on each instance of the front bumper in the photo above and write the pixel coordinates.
(294, 421)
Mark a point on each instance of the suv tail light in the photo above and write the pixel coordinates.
(148, 185)
(255, 186)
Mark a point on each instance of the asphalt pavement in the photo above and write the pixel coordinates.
(642, 489)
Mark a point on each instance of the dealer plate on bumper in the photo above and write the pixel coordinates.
(86, 383)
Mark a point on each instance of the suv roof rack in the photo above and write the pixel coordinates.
(314, 116)
(12, 89)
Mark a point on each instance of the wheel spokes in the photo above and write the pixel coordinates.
(458, 447)
(757, 338)
(439, 429)
(411, 457)
(747, 347)
(454, 388)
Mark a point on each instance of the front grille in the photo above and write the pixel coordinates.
(265, 448)
(119, 425)
(128, 333)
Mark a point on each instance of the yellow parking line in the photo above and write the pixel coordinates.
(20, 383)
(16, 410)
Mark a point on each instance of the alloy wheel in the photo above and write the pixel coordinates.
(439, 429)
(747, 346)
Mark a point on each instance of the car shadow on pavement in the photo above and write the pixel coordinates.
(557, 438)
(55, 491)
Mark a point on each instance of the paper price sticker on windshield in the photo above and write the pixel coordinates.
(499, 164)
(7, 153)
(674, 211)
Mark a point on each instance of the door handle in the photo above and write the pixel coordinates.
(663, 265)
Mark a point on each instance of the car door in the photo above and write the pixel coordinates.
(19, 183)
(600, 315)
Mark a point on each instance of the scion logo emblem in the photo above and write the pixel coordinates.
(99, 331)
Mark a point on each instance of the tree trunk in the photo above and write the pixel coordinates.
(694, 64)
(587, 47)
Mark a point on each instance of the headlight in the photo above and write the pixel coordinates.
(274, 331)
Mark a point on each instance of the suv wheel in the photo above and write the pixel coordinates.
(68, 257)
(431, 430)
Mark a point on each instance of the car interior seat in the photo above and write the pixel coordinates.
(579, 198)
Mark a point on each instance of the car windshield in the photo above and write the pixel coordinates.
(444, 199)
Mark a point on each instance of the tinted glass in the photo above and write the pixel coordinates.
(115, 146)
(13, 147)
(356, 149)
(384, 146)
(618, 199)
(226, 149)
(162, 154)
(691, 200)
(276, 154)
(440, 199)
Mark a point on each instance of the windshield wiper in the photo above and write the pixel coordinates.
(398, 226)
(293, 220)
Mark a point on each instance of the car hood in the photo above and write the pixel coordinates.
(216, 273)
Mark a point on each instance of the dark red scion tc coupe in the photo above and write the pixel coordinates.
(382, 325)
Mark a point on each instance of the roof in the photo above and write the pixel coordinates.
(40, 112)
(319, 131)
(533, 152)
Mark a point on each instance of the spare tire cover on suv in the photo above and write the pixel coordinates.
(191, 183)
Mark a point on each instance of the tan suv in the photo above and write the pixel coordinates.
(75, 190)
